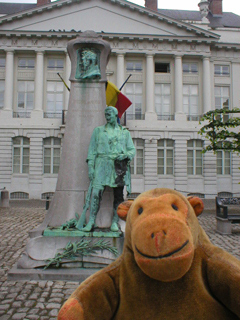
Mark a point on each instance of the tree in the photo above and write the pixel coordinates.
(221, 130)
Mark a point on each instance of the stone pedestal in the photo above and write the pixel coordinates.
(224, 226)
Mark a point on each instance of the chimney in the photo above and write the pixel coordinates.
(216, 7)
(43, 2)
(151, 4)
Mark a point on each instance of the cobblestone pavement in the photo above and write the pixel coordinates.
(43, 299)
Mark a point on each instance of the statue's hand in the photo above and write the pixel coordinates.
(91, 173)
(121, 157)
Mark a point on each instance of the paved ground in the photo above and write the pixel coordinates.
(42, 299)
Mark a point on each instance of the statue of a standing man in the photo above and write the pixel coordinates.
(110, 151)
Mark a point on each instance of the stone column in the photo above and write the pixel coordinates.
(9, 72)
(206, 85)
(120, 70)
(150, 84)
(38, 101)
(178, 85)
(67, 73)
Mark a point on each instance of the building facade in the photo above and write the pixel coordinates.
(182, 64)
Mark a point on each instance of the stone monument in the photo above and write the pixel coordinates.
(89, 56)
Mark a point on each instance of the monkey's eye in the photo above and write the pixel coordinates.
(174, 207)
(140, 210)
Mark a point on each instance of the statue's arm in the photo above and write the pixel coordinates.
(96, 298)
(92, 153)
(223, 275)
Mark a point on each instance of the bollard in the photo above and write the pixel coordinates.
(4, 198)
(47, 203)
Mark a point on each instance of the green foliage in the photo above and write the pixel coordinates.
(220, 130)
(80, 248)
(70, 224)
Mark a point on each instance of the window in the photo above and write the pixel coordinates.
(134, 66)
(25, 97)
(2, 89)
(54, 97)
(21, 155)
(165, 156)
(190, 68)
(19, 196)
(194, 157)
(26, 63)
(51, 152)
(162, 67)
(163, 101)
(2, 62)
(134, 94)
(223, 162)
(47, 195)
(54, 64)
(137, 163)
(222, 100)
(190, 101)
(221, 70)
(196, 194)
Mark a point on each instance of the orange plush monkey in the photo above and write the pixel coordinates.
(168, 269)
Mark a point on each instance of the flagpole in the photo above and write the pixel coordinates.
(63, 81)
(125, 82)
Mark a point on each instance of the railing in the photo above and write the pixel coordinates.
(52, 115)
(166, 117)
(132, 116)
(22, 114)
(194, 118)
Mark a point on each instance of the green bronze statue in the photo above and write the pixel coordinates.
(110, 151)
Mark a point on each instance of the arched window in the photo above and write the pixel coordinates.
(51, 154)
(194, 157)
(165, 156)
(21, 147)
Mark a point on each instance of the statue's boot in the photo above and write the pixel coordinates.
(90, 224)
(114, 226)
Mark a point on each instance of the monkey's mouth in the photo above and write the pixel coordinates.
(164, 255)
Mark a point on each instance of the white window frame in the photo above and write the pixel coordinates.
(223, 168)
(52, 146)
(192, 170)
(190, 97)
(25, 93)
(135, 111)
(139, 146)
(161, 95)
(28, 64)
(221, 72)
(165, 148)
(137, 66)
(22, 146)
(188, 67)
(224, 101)
(2, 90)
(57, 65)
(55, 93)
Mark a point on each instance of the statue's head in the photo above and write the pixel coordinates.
(111, 114)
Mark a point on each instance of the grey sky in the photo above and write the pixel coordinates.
(228, 5)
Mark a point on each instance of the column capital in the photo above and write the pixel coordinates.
(39, 51)
(118, 53)
(206, 57)
(9, 50)
(178, 56)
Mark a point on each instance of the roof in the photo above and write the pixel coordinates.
(11, 8)
(227, 19)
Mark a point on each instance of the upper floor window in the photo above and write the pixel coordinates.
(190, 68)
(25, 97)
(222, 97)
(194, 157)
(190, 101)
(163, 100)
(21, 154)
(221, 70)
(165, 156)
(54, 64)
(134, 94)
(223, 162)
(137, 163)
(134, 66)
(51, 151)
(26, 63)
(54, 97)
(162, 67)
(2, 62)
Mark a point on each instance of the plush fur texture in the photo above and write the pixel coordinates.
(168, 269)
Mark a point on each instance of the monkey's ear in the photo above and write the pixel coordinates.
(197, 205)
(123, 209)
